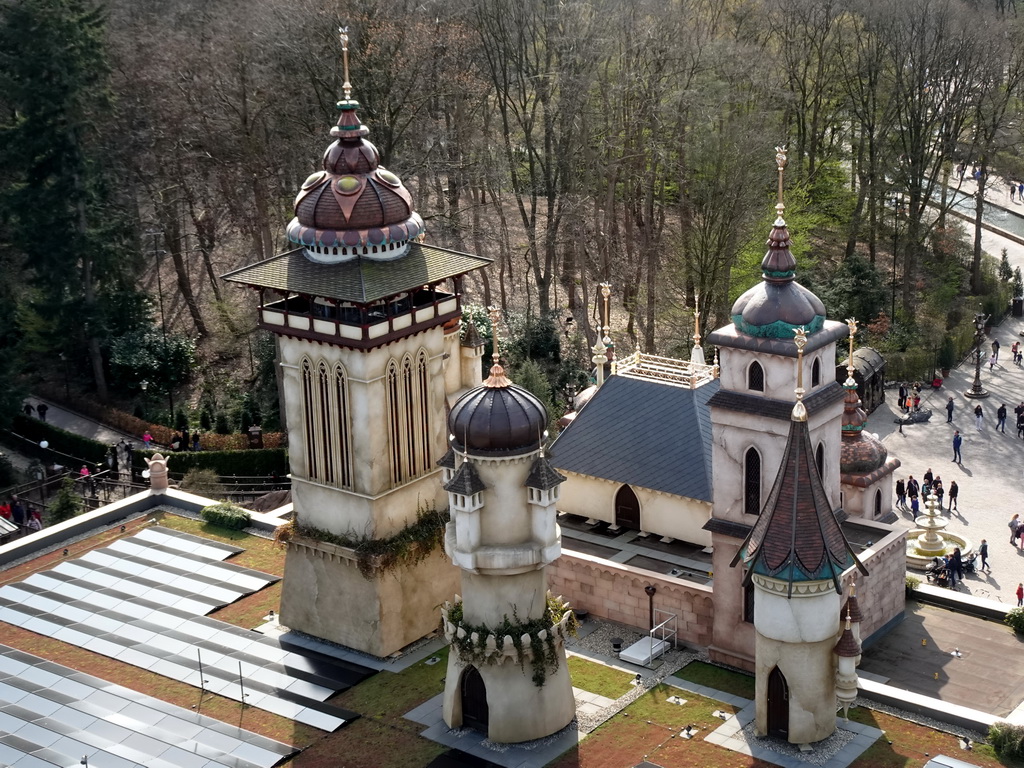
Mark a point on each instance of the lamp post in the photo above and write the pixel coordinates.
(651, 590)
(977, 391)
(895, 241)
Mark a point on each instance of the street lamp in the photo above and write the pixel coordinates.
(895, 240)
(977, 391)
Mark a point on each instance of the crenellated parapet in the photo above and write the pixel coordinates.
(535, 642)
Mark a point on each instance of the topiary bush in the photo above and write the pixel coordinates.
(1007, 739)
(1015, 619)
(226, 516)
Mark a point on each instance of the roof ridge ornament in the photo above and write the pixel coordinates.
(851, 323)
(799, 409)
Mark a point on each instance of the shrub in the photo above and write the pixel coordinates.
(205, 482)
(268, 461)
(66, 504)
(912, 583)
(1007, 739)
(226, 516)
(1015, 619)
(61, 441)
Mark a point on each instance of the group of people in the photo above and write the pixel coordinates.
(912, 489)
(910, 398)
(28, 409)
(182, 442)
(949, 569)
(27, 519)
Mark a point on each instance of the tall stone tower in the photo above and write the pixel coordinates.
(368, 319)
(795, 557)
(750, 419)
(507, 673)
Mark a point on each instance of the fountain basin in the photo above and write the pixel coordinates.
(918, 559)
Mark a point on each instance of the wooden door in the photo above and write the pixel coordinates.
(778, 705)
(627, 509)
(474, 700)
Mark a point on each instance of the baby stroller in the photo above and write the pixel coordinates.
(937, 573)
(969, 566)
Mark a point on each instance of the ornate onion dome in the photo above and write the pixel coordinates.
(353, 207)
(497, 417)
(797, 537)
(778, 305)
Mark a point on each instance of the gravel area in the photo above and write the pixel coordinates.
(821, 751)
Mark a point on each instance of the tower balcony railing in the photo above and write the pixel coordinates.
(359, 323)
(668, 370)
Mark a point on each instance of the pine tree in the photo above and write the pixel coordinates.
(56, 214)
(66, 504)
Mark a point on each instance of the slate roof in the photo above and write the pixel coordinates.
(643, 433)
(543, 476)
(361, 281)
(448, 460)
(466, 481)
(797, 537)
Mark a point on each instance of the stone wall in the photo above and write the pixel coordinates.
(616, 592)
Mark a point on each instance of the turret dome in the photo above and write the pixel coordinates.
(497, 417)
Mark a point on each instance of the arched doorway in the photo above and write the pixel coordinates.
(627, 509)
(474, 700)
(778, 704)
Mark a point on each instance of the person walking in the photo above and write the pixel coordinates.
(1020, 425)
(28, 409)
(950, 405)
(954, 489)
(901, 494)
(938, 490)
(983, 553)
(912, 491)
(1001, 418)
(958, 440)
(146, 439)
(1014, 524)
(1020, 594)
(41, 409)
(35, 521)
(956, 565)
(979, 417)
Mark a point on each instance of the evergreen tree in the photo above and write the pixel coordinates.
(66, 504)
(57, 217)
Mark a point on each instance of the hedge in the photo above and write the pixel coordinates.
(60, 441)
(268, 461)
(226, 516)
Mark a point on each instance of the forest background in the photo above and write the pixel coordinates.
(148, 147)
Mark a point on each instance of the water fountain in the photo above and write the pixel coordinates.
(929, 539)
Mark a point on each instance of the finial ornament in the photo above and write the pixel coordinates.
(346, 86)
(606, 292)
(497, 377)
(696, 318)
(851, 323)
(781, 160)
(799, 409)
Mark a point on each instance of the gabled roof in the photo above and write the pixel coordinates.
(466, 481)
(361, 281)
(644, 433)
(797, 538)
(543, 476)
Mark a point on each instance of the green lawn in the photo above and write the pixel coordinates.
(597, 678)
(719, 678)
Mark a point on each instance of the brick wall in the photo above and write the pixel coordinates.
(616, 592)
(881, 594)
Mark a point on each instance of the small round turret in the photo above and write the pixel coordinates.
(497, 418)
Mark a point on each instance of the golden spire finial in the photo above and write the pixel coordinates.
(799, 409)
(346, 86)
(780, 161)
(696, 318)
(851, 323)
(497, 376)
(606, 292)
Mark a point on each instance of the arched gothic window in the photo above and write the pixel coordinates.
(878, 503)
(408, 417)
(325, 417)
(752, 482)
(755, 377)
(816, 372)
(819, 460)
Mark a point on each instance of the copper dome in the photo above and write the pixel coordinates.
(778, 305)
(497, 419)
(353, 207)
